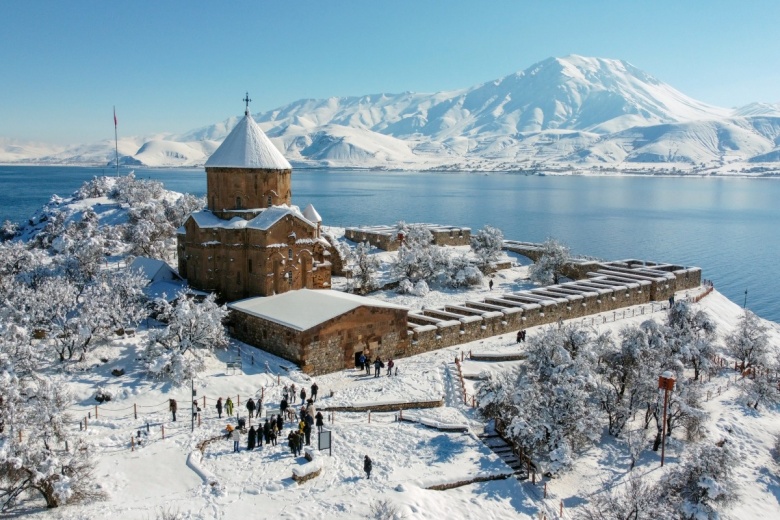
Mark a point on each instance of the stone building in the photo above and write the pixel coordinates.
(321, 331)
(251, 240)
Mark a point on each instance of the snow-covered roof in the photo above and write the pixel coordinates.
(274, 214)
(311, 214)
(152, 269)
(247, 146)
(265, 220)
(306, 308)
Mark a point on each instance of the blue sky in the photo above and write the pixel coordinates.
(171, 65)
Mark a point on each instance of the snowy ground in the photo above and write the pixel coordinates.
(170, 474)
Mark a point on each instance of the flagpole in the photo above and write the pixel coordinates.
(116, 144)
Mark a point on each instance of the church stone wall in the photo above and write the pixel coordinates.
(241, 188)
(330, 346)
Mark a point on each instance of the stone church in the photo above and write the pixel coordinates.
(251, 241)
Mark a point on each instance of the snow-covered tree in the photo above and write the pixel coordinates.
(487, 244)
(629, 375)
(690, 335)
(193, 330)
(364, 267)
(749, 343)
(634, 499)
(462, 273)
(556, 410)
(33, 458)
(548, 268)
(702, 483)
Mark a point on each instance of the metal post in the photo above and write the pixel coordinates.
(135, 411)
(663, 435)
(744, 305)
(192, 384)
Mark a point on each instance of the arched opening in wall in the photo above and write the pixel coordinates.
(289, 279)
(289, 254)
(270, 202)
(238, 202)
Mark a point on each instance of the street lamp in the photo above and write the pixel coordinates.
(665, 383)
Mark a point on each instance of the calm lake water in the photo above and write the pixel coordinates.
(728, 227)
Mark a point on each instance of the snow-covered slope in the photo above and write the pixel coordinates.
(571, 112)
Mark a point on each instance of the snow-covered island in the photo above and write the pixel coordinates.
(561, 116)
(98, 337)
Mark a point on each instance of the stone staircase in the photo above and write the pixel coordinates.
(503, 449)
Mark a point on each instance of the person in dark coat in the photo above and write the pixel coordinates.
(319, 420)
(292, 441)
(490, 284)
(519, 336)
(250, 407)
(259, 437)
(292, 393)
(219, 407)
(250, 439)
(172, 406)
(367, 466)
(279, 422)
(390, 365)
(377, 366)
(314, 390)
(303, 395)
(362, 362)
(283, 406)
(309, 420)
(267, 432)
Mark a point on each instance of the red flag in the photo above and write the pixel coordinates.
(114, 116)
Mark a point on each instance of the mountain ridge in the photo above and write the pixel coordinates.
(572, 112)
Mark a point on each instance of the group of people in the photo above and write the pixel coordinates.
(378, 364)
(268, 432)
(228, 407)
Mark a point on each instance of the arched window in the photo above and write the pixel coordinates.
(270, 201)
(289, 277)
(290, 254)
(238, 202)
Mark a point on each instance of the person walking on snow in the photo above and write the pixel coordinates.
(172, 406)
(219, 408)
(250, 439)
(314, 390)
(490, 284)
(236, 436)
(303, 395)
(279, 422)
(367, 466)
(229, 407)
(390, 368)
(292, 393)
(319, 421)
(250, 407)
(377, 366)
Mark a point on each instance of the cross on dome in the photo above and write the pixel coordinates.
(247, 101)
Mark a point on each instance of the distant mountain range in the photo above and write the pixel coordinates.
(562, 113)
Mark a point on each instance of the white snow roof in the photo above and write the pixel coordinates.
(247, 146)
(152, 269)
(311, 214)
(272, 215)
(306, 308)
(265, 220)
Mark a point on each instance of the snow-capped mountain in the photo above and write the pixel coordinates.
(572, 112)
